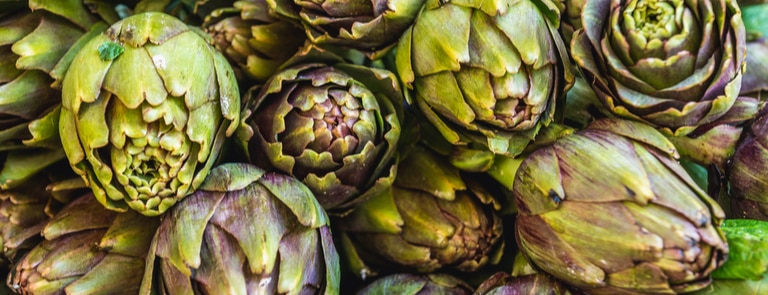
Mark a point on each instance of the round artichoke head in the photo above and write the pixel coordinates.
(246, 231)
(610, 211)
(253, 39)
(87, 250)
(674, 64)
(485, 72)
(433, 217)
(746, 177)
(334, 126)
(146, 107)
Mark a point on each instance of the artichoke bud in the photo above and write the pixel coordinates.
(745, 172)
(253, 39)
(373, 27)
(676, 65)
(502, 283)
(246, 231)
(622, 214)
(413, 284)
(486, 73)
(433, 217)
(335, 126)
(87, 250)
(146, 107)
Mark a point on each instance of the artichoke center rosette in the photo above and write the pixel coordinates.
(608, 210)
(146, 107)
(331, 124)
(485, 73)
(674, 64)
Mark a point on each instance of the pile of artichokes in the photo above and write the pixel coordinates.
(384, 147)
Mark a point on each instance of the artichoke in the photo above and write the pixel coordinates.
(253, 39)
(636, 224)
(485, 73)
(146, 108)
(246, 231)
(410, 284)
(26, 209)
(676, 65)
(87, 250)
(331, 124)
(746, 177)
(36, 38)
(373, 27)
(534, 284)
(433, 217)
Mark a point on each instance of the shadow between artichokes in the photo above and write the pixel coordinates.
(146, 107)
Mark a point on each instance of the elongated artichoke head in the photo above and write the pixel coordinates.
(412, 284)
(146, 107)
(87, 250)
(676, 65)
(486, 73)
(246, 231)
(370, 26)
(608, 210)
(331, 124)
(253, 39)
(432, 218)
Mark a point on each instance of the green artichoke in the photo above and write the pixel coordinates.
(36, 38)
(746, 173)
(609, 210)
(87, 250)
(146, 108)
(534, 284)
(253, 39)
(433, 217)
(486, 73)
(246, 231)
(331, 124)
(373, 27)
(676, 65)
(724, 286)
(410, 284)
(755, 82)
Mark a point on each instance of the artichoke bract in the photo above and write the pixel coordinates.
(433, 217)
(485, 73)
(746, 173)
(254, 40)
(676, 65)
(146, 107)
(532, 284)
(369, 26)
(245, 231)
(411, 284)
(331, 124)
(87, 250)
(36, 41)
(609, 211)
